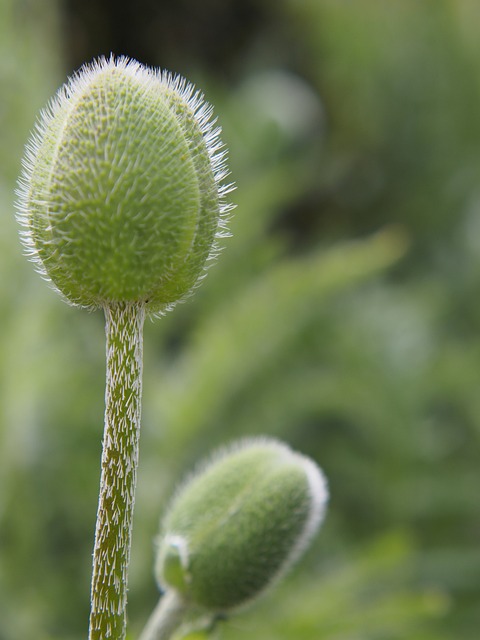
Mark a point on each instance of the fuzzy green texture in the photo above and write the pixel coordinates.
(111, 555)
(232, 529)
(122, 202)
(187, 274)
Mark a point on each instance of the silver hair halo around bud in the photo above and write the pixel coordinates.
(122, 197)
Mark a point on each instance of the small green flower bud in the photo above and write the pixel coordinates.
(121, 197)
(236, 526)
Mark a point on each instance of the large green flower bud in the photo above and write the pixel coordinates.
(236, 526)
(121, 197)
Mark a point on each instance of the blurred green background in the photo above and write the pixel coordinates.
(343, 315)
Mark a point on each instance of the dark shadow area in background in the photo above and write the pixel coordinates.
(179, 34)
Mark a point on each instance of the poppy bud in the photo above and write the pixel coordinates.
(120, 196)
(235, 527)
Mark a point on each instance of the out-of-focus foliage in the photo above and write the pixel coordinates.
(343, 315)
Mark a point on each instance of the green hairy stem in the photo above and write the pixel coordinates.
(124, 327)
